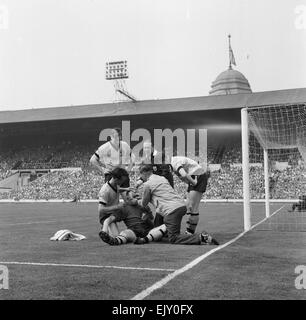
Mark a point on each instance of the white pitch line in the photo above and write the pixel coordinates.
(27, 223)
(80, 266)
(42, 222)
(159, 284)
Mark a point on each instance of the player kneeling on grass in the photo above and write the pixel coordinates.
(161, 166)
(138, 220)
(109, 197)
(190, 172)
(157, 190)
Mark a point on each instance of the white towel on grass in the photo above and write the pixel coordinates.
(64, 235)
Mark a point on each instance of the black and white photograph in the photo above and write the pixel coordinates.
(153, 151)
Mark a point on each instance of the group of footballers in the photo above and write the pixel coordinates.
(159, 212)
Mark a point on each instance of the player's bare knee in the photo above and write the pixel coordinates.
(129, 235)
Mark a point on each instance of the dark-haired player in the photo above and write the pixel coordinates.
(109, 196)
(114, 153)
(160, 164)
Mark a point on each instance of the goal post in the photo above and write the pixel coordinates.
(245, 169)
(266, 179)
(246, 175)
(273, 155)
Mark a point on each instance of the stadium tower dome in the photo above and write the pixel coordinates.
(230, 81)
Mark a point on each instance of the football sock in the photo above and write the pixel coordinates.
(156, 233)
(192, 222)
(121, 239)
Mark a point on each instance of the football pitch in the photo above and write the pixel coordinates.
(259, 264)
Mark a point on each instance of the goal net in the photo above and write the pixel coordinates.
(274, 155)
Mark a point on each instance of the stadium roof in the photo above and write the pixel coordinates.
(233, 101)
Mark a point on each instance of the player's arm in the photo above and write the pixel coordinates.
(96, 162)
(186, 177)
(129, 158)
(148, 215)
(146, 197)
(107, 210)
(139, 183)
(107, 222)
(132, 160)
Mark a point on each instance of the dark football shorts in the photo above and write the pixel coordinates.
(140, 227)
(126, 184)
(201, 183)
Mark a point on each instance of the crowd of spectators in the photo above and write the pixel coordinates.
(4, 169)
(45, 157)
(7, 162)
(84, 183)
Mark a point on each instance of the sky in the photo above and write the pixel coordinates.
(53, 52)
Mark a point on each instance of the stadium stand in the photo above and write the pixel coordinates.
(85, 183)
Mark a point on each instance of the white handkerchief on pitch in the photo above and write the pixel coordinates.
(64, 235)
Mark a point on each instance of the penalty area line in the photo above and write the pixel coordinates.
(159, 284)
(80, 266)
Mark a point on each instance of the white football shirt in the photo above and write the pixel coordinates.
(190, 166)
(112, 157)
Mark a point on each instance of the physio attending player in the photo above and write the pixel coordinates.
(160, 166)
(109, 196)
(158, 160)
(112, 154)
(157, 190)
(195, 176)
(138, 220)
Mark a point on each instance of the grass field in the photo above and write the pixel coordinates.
(258, 265)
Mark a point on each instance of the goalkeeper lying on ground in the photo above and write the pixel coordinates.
(138, 220)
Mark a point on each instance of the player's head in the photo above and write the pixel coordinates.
(130, 195)
(147, 147)
(116, 135)
(120, 175)
(145, 171)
